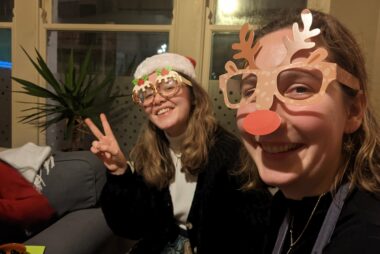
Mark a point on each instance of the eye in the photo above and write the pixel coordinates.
(299, 84)
(148, 93)
(169, 85)
(299, 92)
(248, 86)
(247, 92)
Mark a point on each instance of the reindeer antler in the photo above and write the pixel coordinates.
(248, 50)
(300, 37)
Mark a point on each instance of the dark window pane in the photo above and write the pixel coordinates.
(233, 12)
(118, 50)
(113, 11)
(5, 88)
(6, 8)
(222, 52)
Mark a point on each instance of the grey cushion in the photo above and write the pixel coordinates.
(75, 182)
(83, 231)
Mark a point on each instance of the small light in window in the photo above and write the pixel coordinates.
(162, 49)
(228, 7)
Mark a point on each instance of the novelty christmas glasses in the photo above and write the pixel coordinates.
(164, 82)
(299, 83)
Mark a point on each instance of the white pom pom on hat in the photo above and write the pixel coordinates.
(178, 63)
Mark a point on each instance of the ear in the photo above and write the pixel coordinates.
(355, 113)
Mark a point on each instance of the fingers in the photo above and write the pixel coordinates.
(100, 147)
(97, 133)
(101, 150)
(106, 125)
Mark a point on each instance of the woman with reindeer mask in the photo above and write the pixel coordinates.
(304, 118)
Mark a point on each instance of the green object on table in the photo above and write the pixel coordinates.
(32, 249)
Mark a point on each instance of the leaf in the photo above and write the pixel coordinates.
(44, 71)
(108, 80)
(80, 95)
(36, 90)
(69, 76)
(83, 70)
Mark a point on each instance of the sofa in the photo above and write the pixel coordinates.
(73, 188)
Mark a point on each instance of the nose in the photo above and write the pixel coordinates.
(263, 121)
(158, 99)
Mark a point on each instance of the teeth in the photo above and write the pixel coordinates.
(162, 111)
(270, 148)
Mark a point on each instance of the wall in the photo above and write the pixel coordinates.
(363, 19)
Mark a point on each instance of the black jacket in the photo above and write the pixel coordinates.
(222, 219)
(357, 229)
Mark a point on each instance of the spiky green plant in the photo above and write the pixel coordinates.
(79, 96)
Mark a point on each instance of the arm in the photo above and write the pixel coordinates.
(107, 148)
(127, 202)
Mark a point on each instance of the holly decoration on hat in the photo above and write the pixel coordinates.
(140, 81)
(164, 71)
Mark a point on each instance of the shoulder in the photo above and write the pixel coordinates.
(225, 147)
(225, 139)
(358, 227)
(363, 206)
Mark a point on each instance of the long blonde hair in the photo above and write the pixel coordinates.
(151, 155)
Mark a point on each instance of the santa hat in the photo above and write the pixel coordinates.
(177, 62)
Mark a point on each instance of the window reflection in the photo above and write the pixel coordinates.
(222, 52)
(113, 11)
(6, 8)
(235, 12)
(118, 50)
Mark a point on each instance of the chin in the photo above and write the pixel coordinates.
(277, 178)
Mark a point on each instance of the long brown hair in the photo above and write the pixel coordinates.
(151, 155)
(360, 165)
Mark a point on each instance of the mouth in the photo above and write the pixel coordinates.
(279, 148)
(163, 111)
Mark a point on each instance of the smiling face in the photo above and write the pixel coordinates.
(171, 114)
(302, 156)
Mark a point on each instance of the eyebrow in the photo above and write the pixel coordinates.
(309, 73)
(249, 76)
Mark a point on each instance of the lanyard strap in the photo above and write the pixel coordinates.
(327, 228)
(331, 219)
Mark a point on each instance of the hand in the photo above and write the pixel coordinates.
(107, 147)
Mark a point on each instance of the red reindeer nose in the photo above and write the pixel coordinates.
(261, 122)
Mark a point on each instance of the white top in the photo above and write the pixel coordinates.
(183, 187)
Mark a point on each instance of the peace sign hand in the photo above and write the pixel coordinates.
(107, 147)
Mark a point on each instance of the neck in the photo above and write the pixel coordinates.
(175, 142)
(300, 191)
(311, 184)
(295, 239)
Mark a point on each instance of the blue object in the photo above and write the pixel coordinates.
(5, 65)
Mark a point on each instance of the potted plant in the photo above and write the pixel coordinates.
(81, 94)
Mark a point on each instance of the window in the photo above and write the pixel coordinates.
(121, 34)
(222, 30)
(6, 7)
(113, 12)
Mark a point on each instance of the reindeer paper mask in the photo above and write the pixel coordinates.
(254, 85)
